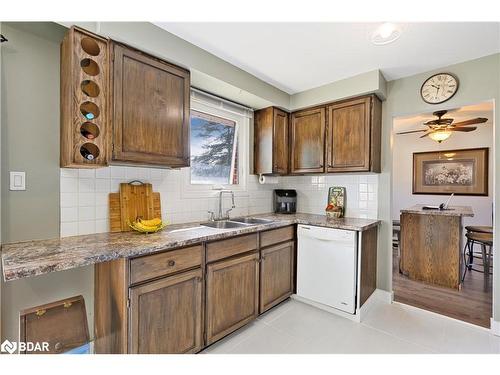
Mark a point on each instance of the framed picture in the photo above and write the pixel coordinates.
(463, 172)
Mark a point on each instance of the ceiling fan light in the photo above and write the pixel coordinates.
(440, 135)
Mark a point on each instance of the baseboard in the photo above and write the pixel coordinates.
(495, 327)
(383, 295)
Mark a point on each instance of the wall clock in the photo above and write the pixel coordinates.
(439, 88)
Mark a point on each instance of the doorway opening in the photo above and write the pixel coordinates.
(433, 269)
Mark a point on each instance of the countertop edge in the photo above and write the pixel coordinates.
(20, 272)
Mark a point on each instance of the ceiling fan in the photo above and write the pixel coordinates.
(441, 128)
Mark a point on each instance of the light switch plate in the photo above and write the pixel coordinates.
(17, 180)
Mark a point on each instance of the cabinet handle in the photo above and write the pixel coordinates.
(171, 263)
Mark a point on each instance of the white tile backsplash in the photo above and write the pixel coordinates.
(85, 207)
(312, 193)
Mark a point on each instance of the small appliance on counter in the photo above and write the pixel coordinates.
(285, 201)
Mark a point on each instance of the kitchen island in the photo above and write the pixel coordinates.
(431, 243)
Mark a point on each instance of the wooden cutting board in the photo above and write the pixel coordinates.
(134, 200)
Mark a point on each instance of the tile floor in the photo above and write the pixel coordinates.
(294, 327)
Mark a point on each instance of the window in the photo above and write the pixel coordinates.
(214, 150)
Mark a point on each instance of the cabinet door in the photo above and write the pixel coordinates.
(150, 110)
(276, 275)
(280, 142)
(348, 136)
(166, 315)
(232, 298)
(308, 141)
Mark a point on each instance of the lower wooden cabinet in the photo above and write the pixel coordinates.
(276, 275)
(232, 295)
(182, 300)
(166, 315)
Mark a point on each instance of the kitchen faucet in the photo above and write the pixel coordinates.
(220, 216)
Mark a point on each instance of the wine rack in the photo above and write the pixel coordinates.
(85, 74)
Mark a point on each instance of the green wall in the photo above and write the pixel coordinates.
(365, 83)
(30, 142)
(479, 81)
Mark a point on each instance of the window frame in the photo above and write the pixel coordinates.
(242, 129)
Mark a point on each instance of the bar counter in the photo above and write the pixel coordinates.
(431, 244)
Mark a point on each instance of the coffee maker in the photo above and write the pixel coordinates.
(285, 201)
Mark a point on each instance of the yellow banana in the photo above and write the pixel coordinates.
(152, 223)
(147, 228)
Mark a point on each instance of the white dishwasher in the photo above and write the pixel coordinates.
(327, 266)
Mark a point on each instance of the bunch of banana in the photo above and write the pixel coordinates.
(148, 226)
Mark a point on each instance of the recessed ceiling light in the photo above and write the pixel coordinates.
(386, 33)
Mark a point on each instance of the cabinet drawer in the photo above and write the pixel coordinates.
(232, 246)
(152, 266)
(274, 236)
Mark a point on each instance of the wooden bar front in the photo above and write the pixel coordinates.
(431, 243)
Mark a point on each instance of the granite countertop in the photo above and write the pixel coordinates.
(32, 258)
(450, 211)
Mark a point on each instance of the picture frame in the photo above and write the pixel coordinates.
(461, 172)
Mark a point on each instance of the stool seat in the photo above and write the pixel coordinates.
(486, 238)
(479, 229)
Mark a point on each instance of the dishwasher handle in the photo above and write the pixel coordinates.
(326, 234)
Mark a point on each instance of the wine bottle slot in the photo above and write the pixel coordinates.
(89, 151)
(89, 130)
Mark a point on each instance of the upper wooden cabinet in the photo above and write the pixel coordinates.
(150, 109)
(121, 105)
(85, 125)
(271, 141)
(353, 135)
(307, 130)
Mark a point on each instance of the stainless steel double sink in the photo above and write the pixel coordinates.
(240, 222)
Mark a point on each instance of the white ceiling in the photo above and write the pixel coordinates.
(298, 56)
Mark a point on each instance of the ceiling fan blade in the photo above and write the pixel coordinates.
(413, 131)
(426, 134)
(472, 121)
(464, 129)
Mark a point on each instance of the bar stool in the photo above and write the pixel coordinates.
(396, 239)
(483, 236)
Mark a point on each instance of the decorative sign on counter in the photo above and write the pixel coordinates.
(336, 202)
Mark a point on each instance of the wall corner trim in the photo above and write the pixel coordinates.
(495, 327)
